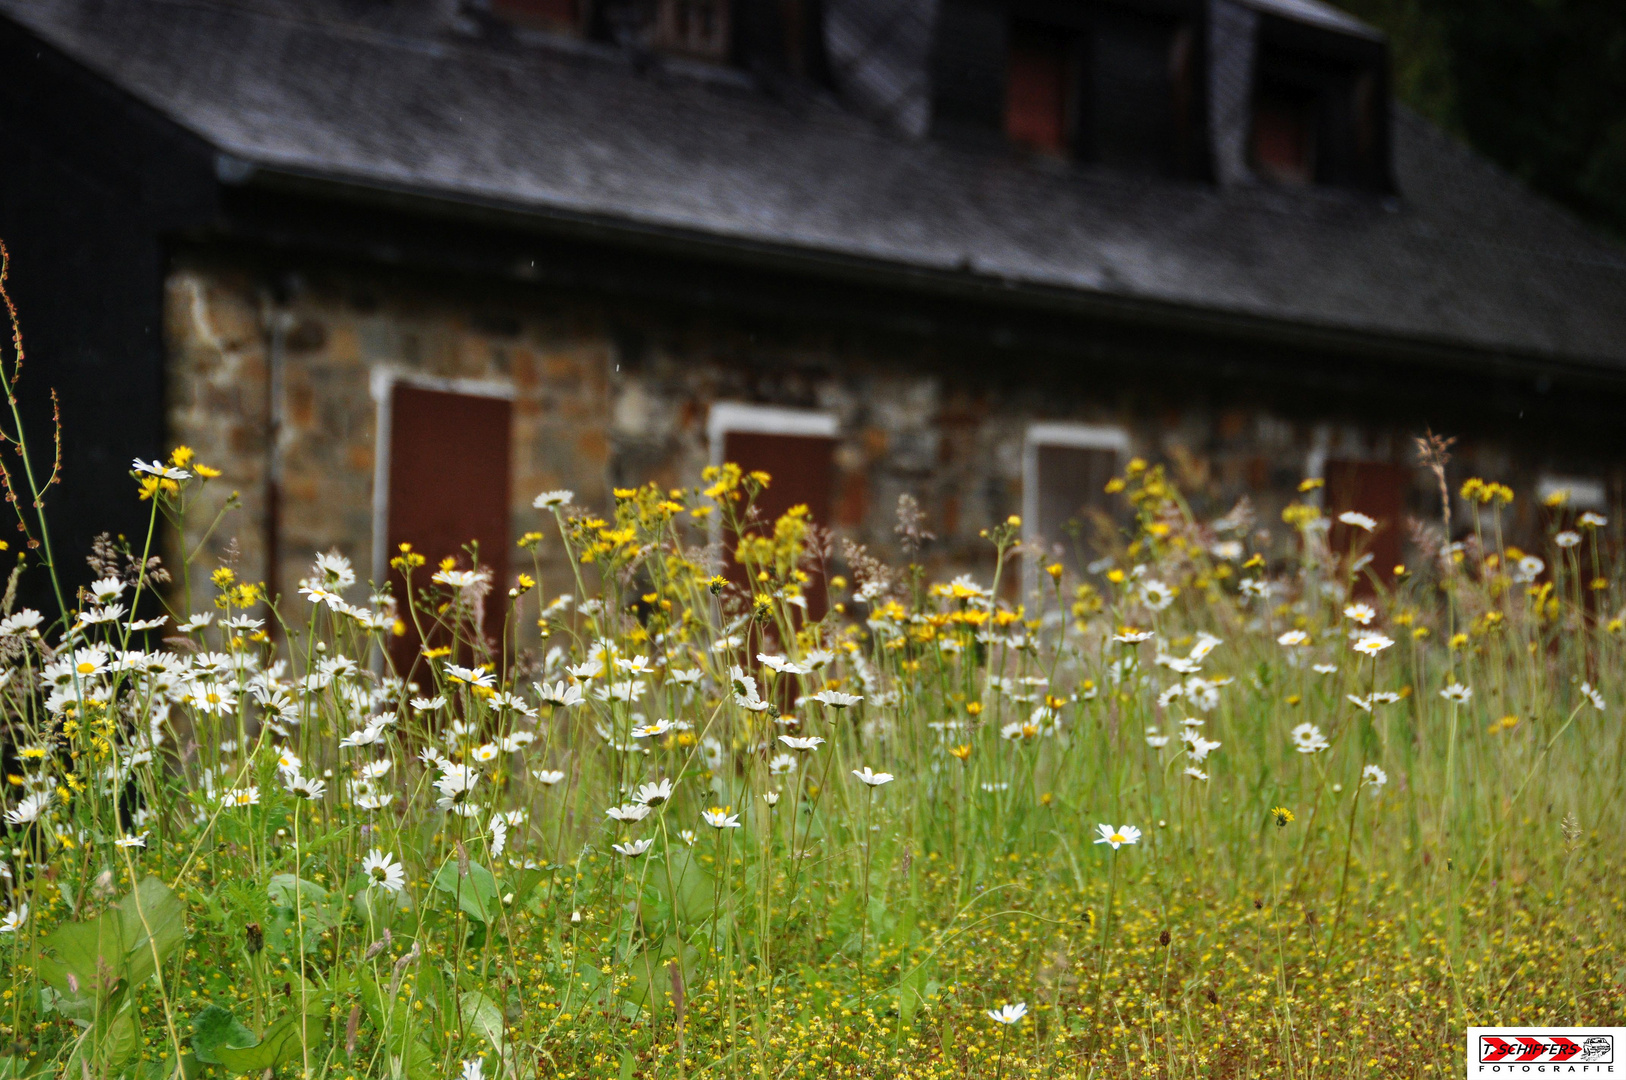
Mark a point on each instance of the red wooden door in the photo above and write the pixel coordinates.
(801, 471)
(1378, 490)
(449, 469)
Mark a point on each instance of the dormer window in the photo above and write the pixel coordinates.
(698, 28)
(1319, 108)
(1115, 85)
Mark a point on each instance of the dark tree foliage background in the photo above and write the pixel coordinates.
(1539, 86)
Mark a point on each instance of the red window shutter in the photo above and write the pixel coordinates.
(1283, 139)
(561, 13)
(1378, 490)
(1036, 90)
(801, 468)
(449, 472)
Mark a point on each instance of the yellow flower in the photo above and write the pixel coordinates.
(206, 472)
(1282, 815)
(1299, 515)
(181, 456)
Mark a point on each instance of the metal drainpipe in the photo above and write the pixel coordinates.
(276, 321)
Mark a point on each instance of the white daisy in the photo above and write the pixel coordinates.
(1009, 1014)
(873, 779)
(14, 920)
(552, 500)
(1123, 834)
(383, 872)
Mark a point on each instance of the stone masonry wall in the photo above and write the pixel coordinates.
(609, 394)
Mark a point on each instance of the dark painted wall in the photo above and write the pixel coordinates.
(90, 185)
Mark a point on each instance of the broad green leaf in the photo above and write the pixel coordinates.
(314, 911)
(394, 1023)
(280, 1045)
(161, 1069)
(482, 1015)
(913, 990)
(476, 894)
(84, 960)
(692, 888)
(376, 909)
(105, 1046)
(214, 1028)
(284, 887)
(89, 960)
(155, 924)
(121, 1040)
(439, 993)
(525, 882)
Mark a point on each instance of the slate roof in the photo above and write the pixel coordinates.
(1466, 256)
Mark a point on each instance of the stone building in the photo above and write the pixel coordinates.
(397, 266)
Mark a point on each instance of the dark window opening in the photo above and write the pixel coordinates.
(1119, 88)
(1038, 88)
(1075, 511)
(698, 28)
(1283, 143)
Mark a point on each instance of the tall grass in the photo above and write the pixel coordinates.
(630, 839)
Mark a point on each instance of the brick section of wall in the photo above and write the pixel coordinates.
(611, 394)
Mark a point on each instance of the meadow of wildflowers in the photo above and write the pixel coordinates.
(1232, 806)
